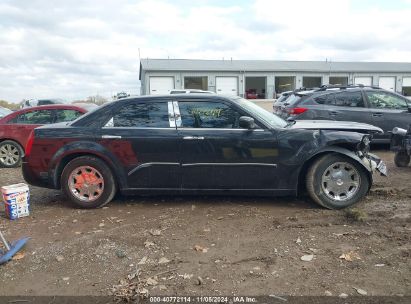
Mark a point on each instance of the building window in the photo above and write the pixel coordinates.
(196, 82)
(334, 80)
(311, 82)
(284, 83)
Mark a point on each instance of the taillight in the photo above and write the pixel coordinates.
(296, 111)
(29, 144)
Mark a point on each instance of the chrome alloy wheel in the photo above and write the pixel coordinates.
(86, 183)
(9, 155)
(340, 181)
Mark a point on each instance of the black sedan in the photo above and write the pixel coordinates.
(198, 144)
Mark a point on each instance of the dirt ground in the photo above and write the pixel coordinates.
(249, 246)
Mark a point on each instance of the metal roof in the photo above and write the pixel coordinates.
(271, 65)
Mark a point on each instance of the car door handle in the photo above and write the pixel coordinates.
(377, 114)
(333, 113)
(193, 137)
(111, 136)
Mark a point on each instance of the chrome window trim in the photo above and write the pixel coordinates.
(177, 113)
(221, 129)
(183, 129)
(171, 116)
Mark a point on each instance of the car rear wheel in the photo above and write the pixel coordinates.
(337, 182)
(401, 159)
(10, 154)
(88, 182)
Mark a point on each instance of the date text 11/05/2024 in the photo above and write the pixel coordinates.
(202, 299)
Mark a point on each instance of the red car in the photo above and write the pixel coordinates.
(251, 94)
(16, 127)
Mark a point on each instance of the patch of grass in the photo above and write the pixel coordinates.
(356, 215)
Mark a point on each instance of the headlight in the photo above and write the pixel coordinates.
(364, 145)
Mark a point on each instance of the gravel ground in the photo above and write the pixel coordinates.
(213, 245)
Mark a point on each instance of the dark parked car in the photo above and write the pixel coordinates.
(369, 105)
(15, 128)
(200, 144)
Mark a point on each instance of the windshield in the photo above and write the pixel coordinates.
(271, 119)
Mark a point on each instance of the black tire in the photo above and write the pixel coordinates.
(103, 171)
(316, 188)
(401, 159)
(12, 152)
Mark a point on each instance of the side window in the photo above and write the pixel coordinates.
(41, 117)
(383, 100)
(207, 114)
(141, 115)
(326, 99)
(67, 115)
(349, 99)
(20, 119)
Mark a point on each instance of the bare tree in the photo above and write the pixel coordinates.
(97, 99)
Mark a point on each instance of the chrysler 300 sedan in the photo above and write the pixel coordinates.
(198, 144)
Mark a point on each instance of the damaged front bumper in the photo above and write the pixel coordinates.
(374, 163)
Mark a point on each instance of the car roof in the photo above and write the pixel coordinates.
(173, 96)
(45, 107)
(52, 107)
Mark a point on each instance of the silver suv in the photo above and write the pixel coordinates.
(371, 105)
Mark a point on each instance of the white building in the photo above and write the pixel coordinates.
(264, 78)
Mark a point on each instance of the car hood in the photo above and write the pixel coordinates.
(335, 125)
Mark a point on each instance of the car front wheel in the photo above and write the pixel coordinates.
(88, 182)
(10, 154)
(335, 181)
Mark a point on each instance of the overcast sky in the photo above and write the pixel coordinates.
(77, 48)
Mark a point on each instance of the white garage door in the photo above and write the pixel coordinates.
(227, 85)
(406, 81)
(161, 85)
(387, 83)
(367, 80)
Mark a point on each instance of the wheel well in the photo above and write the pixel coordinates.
(303, 172)
(66, 159)
(13, 140)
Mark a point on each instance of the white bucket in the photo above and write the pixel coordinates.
(16, 199)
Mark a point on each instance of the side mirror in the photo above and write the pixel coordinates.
(290, 119)
(246, 122)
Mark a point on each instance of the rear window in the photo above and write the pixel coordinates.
(67, 115)
(292, 99)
